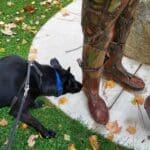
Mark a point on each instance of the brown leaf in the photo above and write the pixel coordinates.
(31, 140)
(113, 127)
(62, 100)
(131, 130)
(110, 84)
(71, 147)
(93, 142)
(29, 9)
(3, 122)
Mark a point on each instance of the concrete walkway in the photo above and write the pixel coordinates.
(63, 33)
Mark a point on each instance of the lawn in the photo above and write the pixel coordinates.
(29, 16)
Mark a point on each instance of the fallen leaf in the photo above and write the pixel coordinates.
(2, 50)
(62, 100)
(64, 12)
(6, 142)
(19, 19)
(113, 127)
(9, 3)
(8, 29)
(110, 136)
(29, 9)
(110, 84)
(71, 147)
(2, 24)
(31, 140)
(23, 126)
(24, 42)
(55, 2)
(131, 130)
(138, 100)
(93, 142)
(66, 137)
(3, 122)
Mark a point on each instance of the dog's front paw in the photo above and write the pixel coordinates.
(49, 134)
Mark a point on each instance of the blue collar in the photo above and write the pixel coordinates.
(59, 84)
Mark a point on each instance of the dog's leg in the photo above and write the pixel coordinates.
(29, 119)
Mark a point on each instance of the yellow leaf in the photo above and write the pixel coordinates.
(24, 126)
(9, 3)
(110, 136)
(64, 12)
(62, 101)
(2, 50)
(31, 140)
(66, 137)
(131, 130)
(3, 122)
(6, 142)
(138, 100)
(93, 142)
(110, 84)
(113, 127)
(71, 147)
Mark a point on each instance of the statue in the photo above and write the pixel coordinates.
(106, 25)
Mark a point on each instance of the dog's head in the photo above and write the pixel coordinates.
(70, 84)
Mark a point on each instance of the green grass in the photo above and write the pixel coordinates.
(49, 115)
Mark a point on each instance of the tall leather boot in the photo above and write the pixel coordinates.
(147, 106)
(113, 68)
(91, 81)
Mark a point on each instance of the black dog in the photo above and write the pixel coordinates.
(51, 81)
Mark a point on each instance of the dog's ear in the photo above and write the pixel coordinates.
(55, 63)
(68, 70)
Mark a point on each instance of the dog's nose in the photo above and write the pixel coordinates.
(78, 86)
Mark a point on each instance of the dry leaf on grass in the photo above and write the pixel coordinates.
(2, 49)
(29, 9)
(131, 130)
(71, 147)
(9, 3)
(23, 126)
(19, 19)
(31, 140)
(3, 122)
(66, 137)
(138, 100)
(110, 84)
(110, 136)
(93, 142)
(6, 142)
(64, 12)
(113, 127)
(62, 100)
(8, 29)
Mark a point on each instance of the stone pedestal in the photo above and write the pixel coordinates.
(138, 43)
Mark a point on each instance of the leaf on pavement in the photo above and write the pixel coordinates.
(113, 127)
(131, 130)
(110, 84)
(63, 100)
